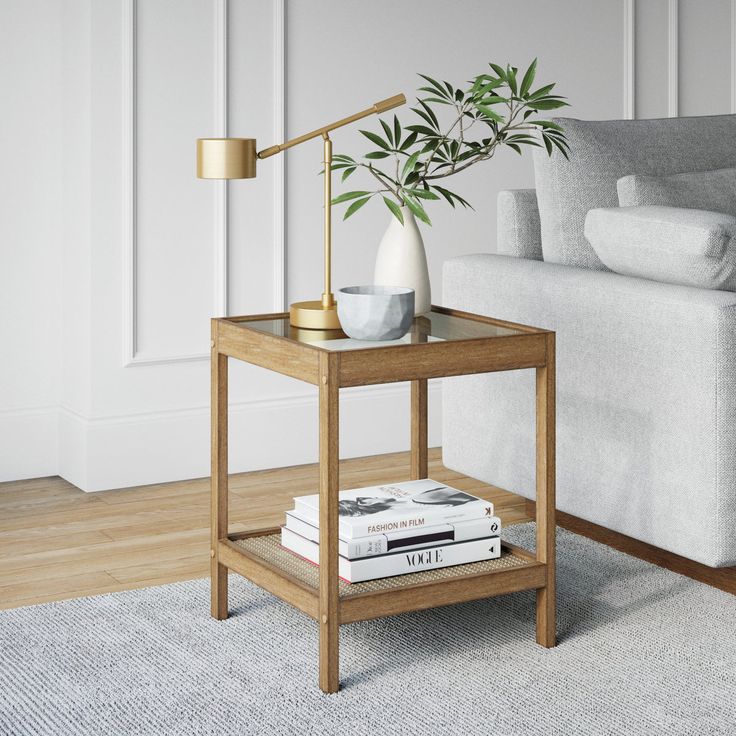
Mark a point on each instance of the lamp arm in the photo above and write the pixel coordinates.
(377, 109)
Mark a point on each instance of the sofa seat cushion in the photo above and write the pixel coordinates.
(601, 152)
(668, 244)
(701, 190)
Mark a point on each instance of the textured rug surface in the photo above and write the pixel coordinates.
(642, 651)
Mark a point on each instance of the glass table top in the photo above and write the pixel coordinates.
(430, 327)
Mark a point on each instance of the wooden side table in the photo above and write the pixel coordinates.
(442, 343)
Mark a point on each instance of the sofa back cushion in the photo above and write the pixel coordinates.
(700, 190)
(604, 151)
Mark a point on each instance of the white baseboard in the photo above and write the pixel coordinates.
(29, 440)
(118, 452)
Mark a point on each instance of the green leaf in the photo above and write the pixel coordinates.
(547, 103)
(482, 87)
(437, 100)
(500, 71)
(562, 145)
(410, 164)
(547, 124)
(541, 92)
(354, 207)
(427, 118)
(490, 113)
(397, 132)
(377, 154)
(511, 79)
(395, 209)
(515, 147)
(422, 130)
(446, 195)
(422, 193)
(431, 114)
(387, 131)
(349, 195)
(347, 172)
(490, 100)
(438, 87)
(409, 141)
(416, 208)
(374, 138)
(526, 82)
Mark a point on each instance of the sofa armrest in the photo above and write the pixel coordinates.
(670, 244)
(519, 231)
(646, 400)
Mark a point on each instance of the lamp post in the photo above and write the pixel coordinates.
(235, 158)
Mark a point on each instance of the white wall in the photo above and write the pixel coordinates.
(31, 240)
(115, 255)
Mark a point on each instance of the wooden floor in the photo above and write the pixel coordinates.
(58, 542)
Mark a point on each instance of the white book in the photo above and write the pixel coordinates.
(380, 544)
(397, 563)
(409, 505)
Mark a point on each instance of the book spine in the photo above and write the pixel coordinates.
(418, 521)
(379, 544)
(352, 549)
(463, 531)
(399, 563)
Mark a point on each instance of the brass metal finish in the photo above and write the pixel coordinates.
(383, 106)
(313, 316)
(226, 158)
(235, 158)
(328, 298)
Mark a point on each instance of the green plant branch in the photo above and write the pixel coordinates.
(436, 152)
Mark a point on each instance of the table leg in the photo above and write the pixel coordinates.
(419, 439)
(219, 487)
(546, 597)
(329, 594)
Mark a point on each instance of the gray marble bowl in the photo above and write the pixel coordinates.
(375, 312)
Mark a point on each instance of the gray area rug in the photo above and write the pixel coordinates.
(642, 651)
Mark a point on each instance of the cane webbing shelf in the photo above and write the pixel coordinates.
(442, 343)
(362, 601)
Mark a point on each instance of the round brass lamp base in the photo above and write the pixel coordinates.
(313, 316)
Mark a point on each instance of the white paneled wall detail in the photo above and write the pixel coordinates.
(629, 44)
(673, 58)
(132, 71)
(146, 253)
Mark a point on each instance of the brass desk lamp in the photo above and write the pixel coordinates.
(235, 158)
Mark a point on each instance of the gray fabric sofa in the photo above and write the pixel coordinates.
(646, 371)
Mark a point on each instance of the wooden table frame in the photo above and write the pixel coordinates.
(331, 370)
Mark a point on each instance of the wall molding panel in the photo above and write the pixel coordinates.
(629, 46)
(220, 307)
(279, 162)
(733, 56)
(673, 58)
(129, 301)
(131, 354)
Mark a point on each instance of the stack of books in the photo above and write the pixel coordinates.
(397, 529)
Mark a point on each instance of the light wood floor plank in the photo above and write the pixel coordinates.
(58, 542)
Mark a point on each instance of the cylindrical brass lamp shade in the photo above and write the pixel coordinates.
(226, 158)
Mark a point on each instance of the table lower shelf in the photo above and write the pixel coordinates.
(260, 557)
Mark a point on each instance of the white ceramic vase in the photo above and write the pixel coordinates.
(401, 260)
